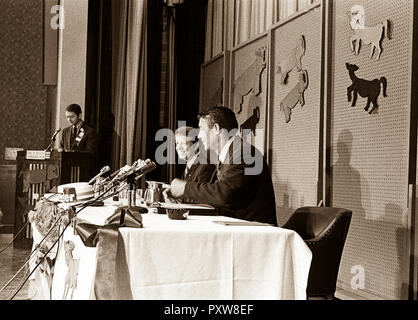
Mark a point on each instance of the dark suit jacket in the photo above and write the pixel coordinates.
(200, 172)
(87, 143)
(235, 192)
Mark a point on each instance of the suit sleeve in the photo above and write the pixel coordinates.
(232, 189)
(205, 172)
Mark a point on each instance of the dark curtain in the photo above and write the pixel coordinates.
(99, 77)
(190, 46)
(155, 47)
(187, 22)
(129, 87)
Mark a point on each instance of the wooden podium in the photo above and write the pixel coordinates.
(39, 172)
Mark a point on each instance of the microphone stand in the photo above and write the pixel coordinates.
(131, 181)
(50, 143)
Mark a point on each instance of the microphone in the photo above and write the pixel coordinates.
(124, 170)
(55, 134)
(142, 168)
(102, 171)
(111, 176)
(52, 139)
(128, 172)
(148, 167)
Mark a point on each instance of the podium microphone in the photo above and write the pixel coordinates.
(52, 139)
(102, 171)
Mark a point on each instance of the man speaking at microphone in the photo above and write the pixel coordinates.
(79, 136)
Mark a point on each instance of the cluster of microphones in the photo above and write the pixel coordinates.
(125, 174)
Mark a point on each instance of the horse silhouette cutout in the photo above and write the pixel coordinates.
(293, 60)
(295, 95)
(368, 35)
(366, 88)
(251, 122)
(250, 80)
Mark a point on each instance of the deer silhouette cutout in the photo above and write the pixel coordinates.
(366, 88)
(72, 264)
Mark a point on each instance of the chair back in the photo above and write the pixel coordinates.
(324, 230)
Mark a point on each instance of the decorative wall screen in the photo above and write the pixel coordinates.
(369, 152)
(294, 144)
(248, 95)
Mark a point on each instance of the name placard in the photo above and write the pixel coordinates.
(11, 153)
(37, 154)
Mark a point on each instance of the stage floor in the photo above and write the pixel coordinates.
(11, 260)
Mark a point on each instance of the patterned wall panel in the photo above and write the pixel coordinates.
(370, 151)
(295, 144)
(23, 107)
(248, 98)
(212, 83)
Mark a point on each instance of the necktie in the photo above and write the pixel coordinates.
(73, 136)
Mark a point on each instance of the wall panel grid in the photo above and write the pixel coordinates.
(369, 152)
(294, 144)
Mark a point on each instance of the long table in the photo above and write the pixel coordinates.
(203, 257)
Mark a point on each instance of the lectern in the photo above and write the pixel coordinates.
(39, 172)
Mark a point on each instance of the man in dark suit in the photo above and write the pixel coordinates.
(197, 168)
(79, 136)
(242, 187)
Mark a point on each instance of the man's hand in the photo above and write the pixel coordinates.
(177, 188)
(168, 198)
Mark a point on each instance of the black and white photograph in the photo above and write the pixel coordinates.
(214, 157)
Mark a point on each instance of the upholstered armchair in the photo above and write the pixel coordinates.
(324, 230)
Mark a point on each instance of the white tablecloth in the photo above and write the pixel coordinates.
(192, 259)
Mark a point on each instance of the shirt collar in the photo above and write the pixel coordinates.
(224, 152)
(192, 160)
(79, 124)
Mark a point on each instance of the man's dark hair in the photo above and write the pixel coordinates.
(221, 115)
(74, 108)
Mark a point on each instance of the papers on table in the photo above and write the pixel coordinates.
(185, 206)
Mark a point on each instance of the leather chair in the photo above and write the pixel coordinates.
(324, 230)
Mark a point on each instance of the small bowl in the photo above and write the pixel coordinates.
(177, 214)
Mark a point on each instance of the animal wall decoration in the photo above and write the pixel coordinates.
(296, 95)
(250, 80)
(293, 60)
(368, 35)
(365, 88)
(251, 122)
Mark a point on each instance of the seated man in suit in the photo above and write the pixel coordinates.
(79, 136)
(198, 168)
(243, 188)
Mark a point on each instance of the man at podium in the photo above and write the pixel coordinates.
(79, 136)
